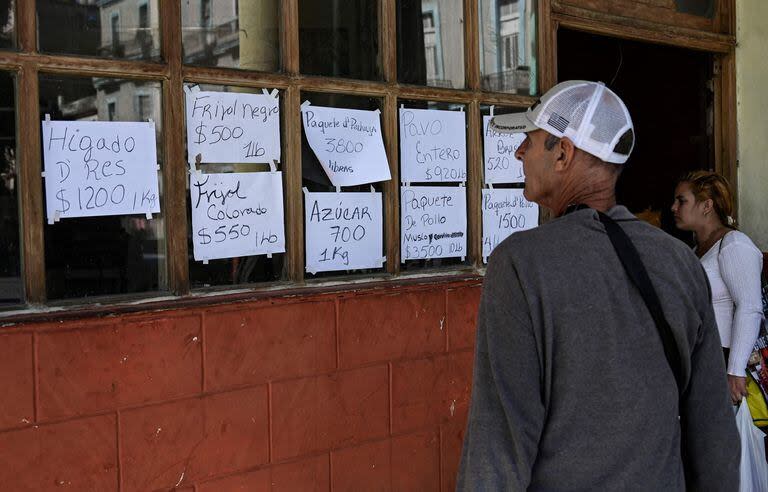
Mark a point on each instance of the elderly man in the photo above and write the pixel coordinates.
(579, 383)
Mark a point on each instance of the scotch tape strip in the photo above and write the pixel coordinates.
(402, 106)
(269, 255)
(305, 190)
(377, 111)
(485, 260)
(373, 190)
(150, 120)
(490, 186)
(461, 109)
(305, 104)
(492, 108)
(338, 189)
(383, 259)
(265, 91)
(42, 174)
(149, 215)
(57, 216)
(311, 270)
(463, 258)
(272, 167)
(205, 262)
(275, 93)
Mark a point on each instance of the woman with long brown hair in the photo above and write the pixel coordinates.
(704, 204)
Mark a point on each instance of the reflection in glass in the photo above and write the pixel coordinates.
(125, 29)
(231, 271)
(508, 45)
(313, 175)
(93, 256)
(416, 265)
(11, 291)
(7, 24)
(339, 38)
(430, 42)
(231, 33)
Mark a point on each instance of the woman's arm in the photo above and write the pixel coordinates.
(740, 267)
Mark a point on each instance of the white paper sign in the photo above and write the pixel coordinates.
(501, 165)
(505, 211)
(232, 127)
(433, 146)
(236, 214)
(96, 168)
(433, 222)
(348, 144)
(344, 231)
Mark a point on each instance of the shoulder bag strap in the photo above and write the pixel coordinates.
(634, 267)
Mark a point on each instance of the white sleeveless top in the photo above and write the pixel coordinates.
(734, 271)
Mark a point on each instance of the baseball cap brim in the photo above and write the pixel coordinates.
(513, 123)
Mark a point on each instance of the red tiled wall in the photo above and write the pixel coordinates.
(363, 390)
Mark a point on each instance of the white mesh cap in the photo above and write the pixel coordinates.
(591, 115)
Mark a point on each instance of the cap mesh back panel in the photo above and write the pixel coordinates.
(608, 119)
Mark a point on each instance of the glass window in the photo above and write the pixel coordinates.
(430, 42)
(124, 29)
(7, 24)
(436, 263)
(339, 39)
(94, 256)
(11, 290)
(507, 31)
(226, 33)
(315, 179)
(232, 271)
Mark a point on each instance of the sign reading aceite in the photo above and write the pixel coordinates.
(98, 168)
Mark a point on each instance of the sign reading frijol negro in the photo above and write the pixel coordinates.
(97, 168)
(232, 127)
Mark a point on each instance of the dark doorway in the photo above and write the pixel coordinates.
(667, 92)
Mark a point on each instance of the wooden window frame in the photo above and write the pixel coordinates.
(27, 63)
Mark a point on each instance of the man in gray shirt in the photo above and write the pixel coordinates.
(571, 387)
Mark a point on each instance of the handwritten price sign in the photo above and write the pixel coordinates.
(344, 231)
(505, 211)
(501, 165)
(348, 144)
(236, 214)
(232, 127)
(433, 146)
(96, 168)
(433, 222)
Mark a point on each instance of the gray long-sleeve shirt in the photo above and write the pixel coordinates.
(571, 388)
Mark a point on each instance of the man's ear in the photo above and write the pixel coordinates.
(564, 153)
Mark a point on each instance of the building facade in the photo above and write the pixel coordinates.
(127, 365)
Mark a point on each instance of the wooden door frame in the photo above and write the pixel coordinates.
(553, 15)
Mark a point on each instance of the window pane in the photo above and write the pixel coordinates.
(430, 42)
(231, 33)
(93, 256)
(508, 45)
(314, 178)
(11, 291)
(436, 263)
(7, 24)
(339, 38)
(125, 29)
(232, 271)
